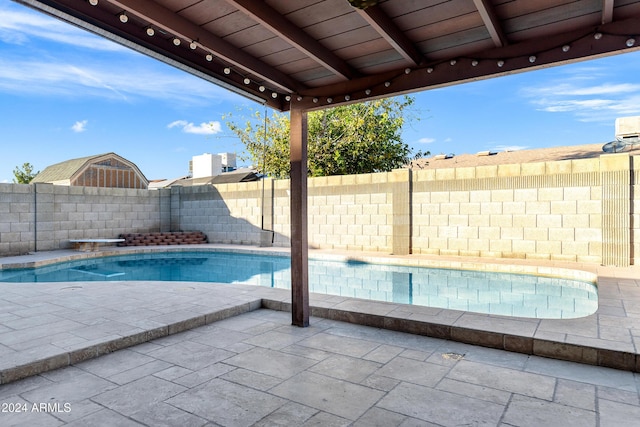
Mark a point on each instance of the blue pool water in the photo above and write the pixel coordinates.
(482, 292)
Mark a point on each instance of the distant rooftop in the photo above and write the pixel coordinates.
(510, 157)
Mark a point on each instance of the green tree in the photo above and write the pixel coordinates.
(349, 139)
(24, 174)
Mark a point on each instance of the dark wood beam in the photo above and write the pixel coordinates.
(513, 58)
(298, 215)
(491, 21)
(268, 17)
(391, 33)
(607, 11)
(162, 18)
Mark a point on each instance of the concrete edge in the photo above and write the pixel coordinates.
(67, 358)
(502, 341)
(604, 357)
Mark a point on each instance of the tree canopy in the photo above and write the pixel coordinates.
(24, 174)
(349, 139)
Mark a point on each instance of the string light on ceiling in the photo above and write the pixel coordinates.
(150, 31)
(629, 41)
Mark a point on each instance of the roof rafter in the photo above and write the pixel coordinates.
(172, 23)
(381, 22)
(607, 11)
(264, 14)
(488, 15)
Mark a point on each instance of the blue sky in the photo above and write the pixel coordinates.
(65, 93)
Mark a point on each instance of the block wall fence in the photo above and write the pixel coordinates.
(581, 210)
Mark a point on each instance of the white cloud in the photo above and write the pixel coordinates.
(588, 94)
(20, 26)
(210, 128)
(120, 79)
(509, 147)
(572, 89)
(80, 126)
(426, 140)
(75, 63)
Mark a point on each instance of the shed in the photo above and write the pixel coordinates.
(101, 170)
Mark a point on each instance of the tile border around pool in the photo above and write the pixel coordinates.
(34, 260)
(574, 352)
(385, 318)
(485, 330)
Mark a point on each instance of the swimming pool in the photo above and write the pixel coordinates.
(509, 294)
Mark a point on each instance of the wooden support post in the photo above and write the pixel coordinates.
(299, 238)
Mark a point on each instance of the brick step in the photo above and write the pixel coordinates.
(163, 238)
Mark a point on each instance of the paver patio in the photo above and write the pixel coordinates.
(206, 354)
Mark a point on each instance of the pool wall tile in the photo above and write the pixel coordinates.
(557, 350)
(518, 344)
(477, 337)
(617, 360)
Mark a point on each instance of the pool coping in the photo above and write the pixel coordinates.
(33, 260)
(577, 340)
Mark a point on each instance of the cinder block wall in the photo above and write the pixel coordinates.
(281, 213)
(583, 210)
(17, 219)
(546, 210)
(353, 212)
(226, 213)
(43, 217)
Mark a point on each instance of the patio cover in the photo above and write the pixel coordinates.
(304, 55)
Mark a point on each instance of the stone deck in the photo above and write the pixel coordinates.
(196, 353)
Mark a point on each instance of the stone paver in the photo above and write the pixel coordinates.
(195, 354)
(250, 384)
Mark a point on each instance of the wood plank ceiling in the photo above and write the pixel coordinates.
(322, 53)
